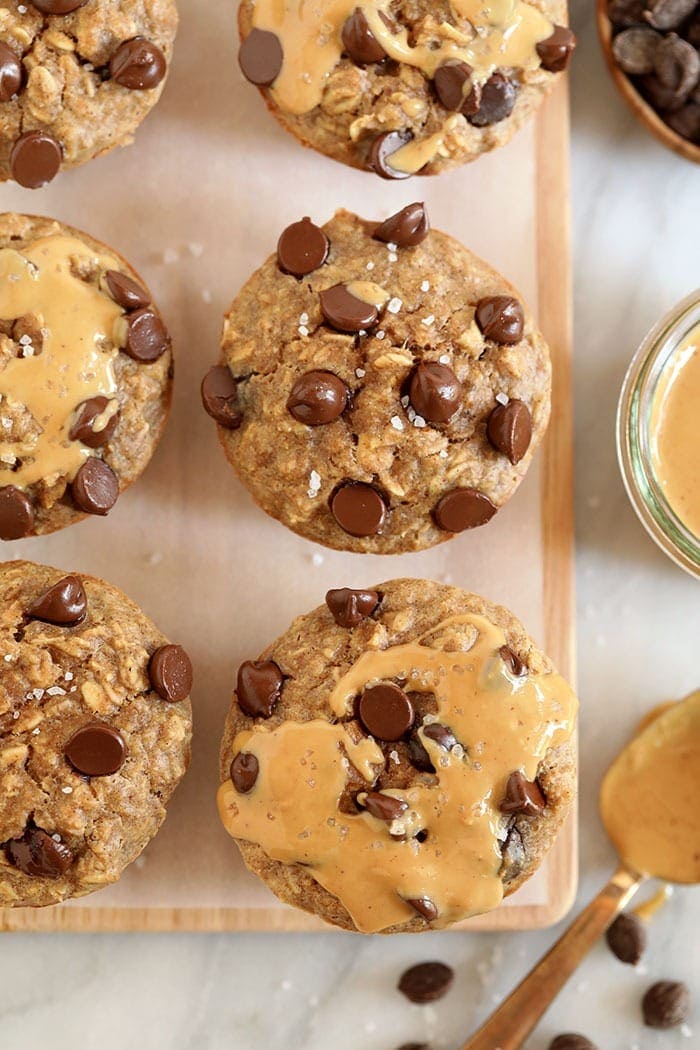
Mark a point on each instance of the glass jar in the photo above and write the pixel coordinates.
(637, 416)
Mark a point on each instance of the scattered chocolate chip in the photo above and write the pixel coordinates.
(349, 607)
(359, 509)
(147, 337)
(38, 854)
(571, 1041)
(627, 938)
(318, 398)
(441, 735)
(35, 159)
(406, 228)
(449, 81)
(383, 807)
(95, 488)
(677, 66)
(512, 661)
(435, 392)
(686, 121)
(625, 13)
(244, 772)
(16, 514)
(463, 509)
(345, 312)
(667, 14)
(258, 687)
(424, 906)
(386, 711)
(170, 673)
(64, 604)
(498, 97)
(58, 7)
(359, 41)
(418, 755)
(302, 248)
(11, 72)
(501, 319)
(512, 856)
(661, 98)
(125, 291)
(382, 150)
(634, 49)
(138, 64)
(509, 429)
(555, 52)
(426, 982)
(261, 57)
(666, 1004)
(96, 750)
(220, 397)
(86, 415)
(523, 797)
(692, 31)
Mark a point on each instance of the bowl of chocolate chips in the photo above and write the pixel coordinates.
(652, 48)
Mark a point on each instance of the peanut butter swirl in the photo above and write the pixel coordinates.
(374, 867)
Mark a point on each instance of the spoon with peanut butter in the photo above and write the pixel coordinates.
(648, 804)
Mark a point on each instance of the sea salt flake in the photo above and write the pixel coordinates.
(380, 335)
(55, 690)
(443, 453)
(393, 257)
(370, 265)
(25, 340)
(425, 287)
(427, 321)
(502, 399)
(6, 423)
(69, 676)
(419, 422)
(303, 330)
(304, 319)
(391, 247)
(394, 305)
(67, 790)
(15, 715)
(397, 422)
(444, 359)
(360, 373)
(314, 484)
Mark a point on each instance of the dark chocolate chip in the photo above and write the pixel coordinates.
(523, 797)
(138, 64)
(359, 41)
(450, 80)
(426, 982)
(58, 7)
(16, 514)
(125, 291)
(677, 65)
(501, 319)
(634, 49)
(38, 854)
(258, 687)
(627, 938)
(497, 100)
(512, 856)
(96, 750)
(302, 248)
(509, 429)
(11, 72)
(359, 509)
(220, 397)
(435, 392)
(383, 807)
(406, 228)
(440, 734)
(666, 1004)
(462, 509)
(418, 755)
(424, 906)
(414, 1046)
(663, 99)
(571, 1041)
(382, 150)
(512, 661)
(35, 159)
(95, 488)
(83, 427)
(345, 312)
(170, 673)
(686, 121)
(625, 13)
(64, 604)
(147, 337)
(349, 607)
(555, 52)
(386, 711)
(667, 14)
(261, 57)
(318, 398)
(244, 772)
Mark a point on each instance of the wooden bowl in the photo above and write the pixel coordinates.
(639, 106)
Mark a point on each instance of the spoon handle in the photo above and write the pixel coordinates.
(516, 1017)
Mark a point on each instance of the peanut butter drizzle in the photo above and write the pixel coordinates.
(79, 330)
(648, 908)
(503, 723)
(416, 154)
(648, 800)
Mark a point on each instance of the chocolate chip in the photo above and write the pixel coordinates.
(414, 1046)
(523, 797)
(345, 312)
(512, 856)
(418, 755)
(509, 429)
(318, 398)
(38, 854)
(302, 248)
(686, 122)
(463, 509)
(555, 52)
(258, 687)
(634, 49)
(11, 72)
(449, 81)
(663, 99)
(677, 66)
(95, 488)
(571, 1041)
(359, 509)
(440, 734)
(668, 14)
(501, 319)
(147, 337)
(16, 514)
(126, 292)
(512, 661)
(624, 13)
(349, 607)
(86, 415)
(359, 41)
(666, 1004)
(627, 938)
(138, 64)
(424, 906)
(261, 57)
(435, 392)
(386, 711)
(170, 673)
(220, 397)
(96, 750)
(58, 7)
(498, 97)
(383, 807)
(35, 159)
(426, 982)
(64, 604)
(382, 150)
(244, 772)
(406, 228)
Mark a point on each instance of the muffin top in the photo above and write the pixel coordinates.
(400, 87)
(85, 376)
(399, 758)
(77, 77)
(95, 727)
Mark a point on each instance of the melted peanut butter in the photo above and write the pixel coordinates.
(502, 723)
(648, 800)
(416, 154)
(78, 331)
(648, 908)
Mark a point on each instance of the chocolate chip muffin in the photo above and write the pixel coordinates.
(95, 727)
(401, 88)
(399, 760)
(381, 388)
(77, 77)
(72, 308)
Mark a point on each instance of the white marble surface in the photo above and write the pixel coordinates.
(637, 229)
